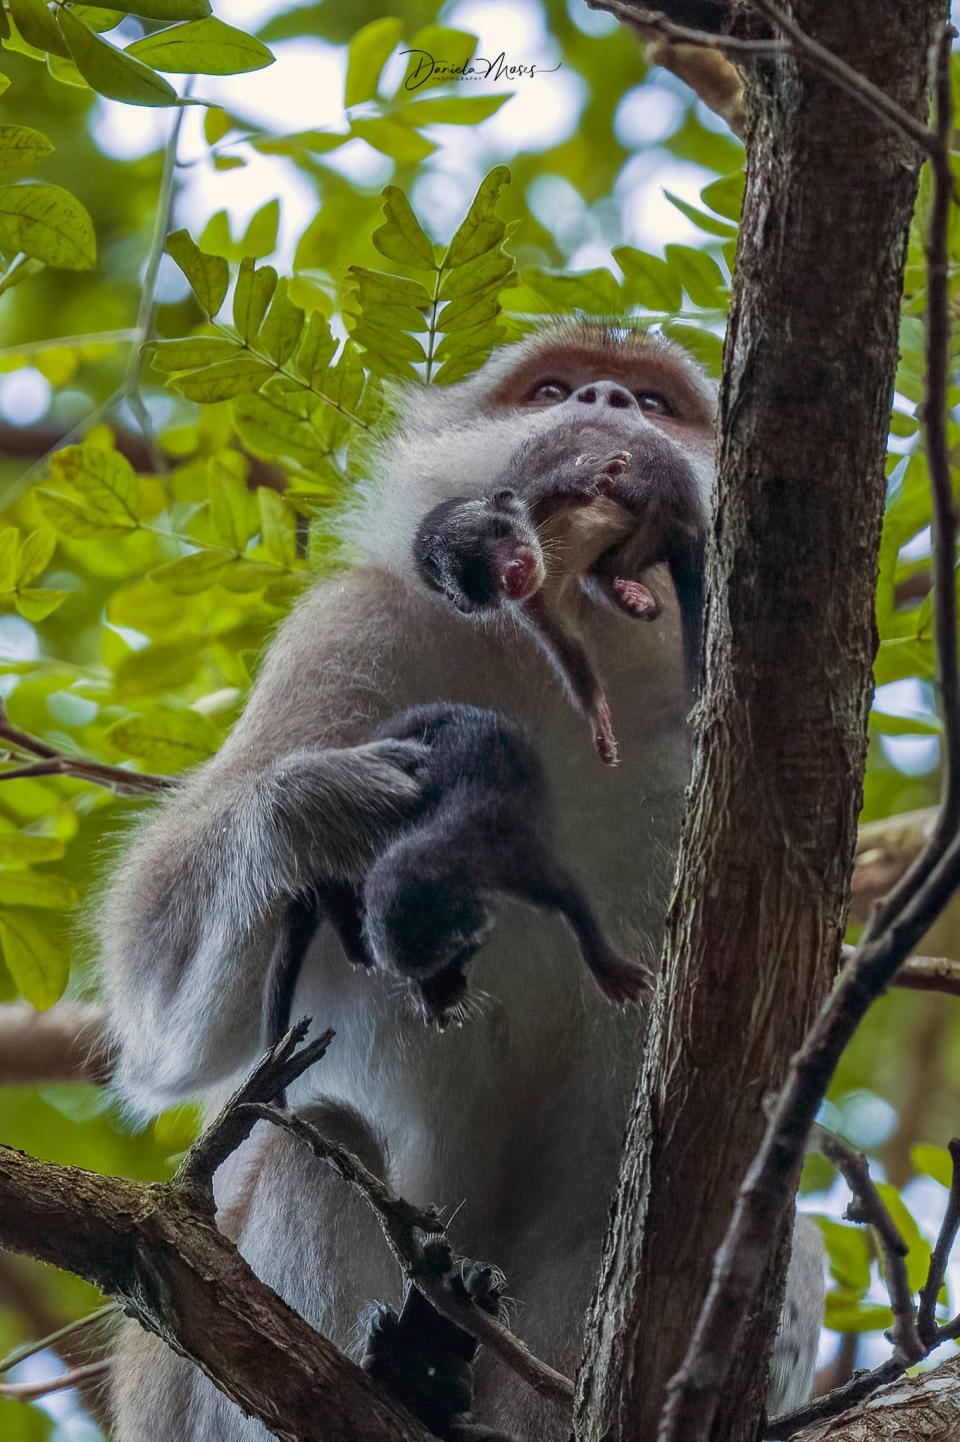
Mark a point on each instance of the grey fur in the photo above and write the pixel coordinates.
(515, 1121)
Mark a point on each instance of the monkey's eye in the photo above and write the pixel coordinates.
(654, 403)
(549, 392)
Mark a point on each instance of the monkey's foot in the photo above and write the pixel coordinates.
(622, 982)
(635, 599)
(426, 1361)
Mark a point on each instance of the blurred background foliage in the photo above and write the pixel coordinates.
(179, 428)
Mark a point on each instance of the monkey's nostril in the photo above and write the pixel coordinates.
(621, 399)
(588, 395)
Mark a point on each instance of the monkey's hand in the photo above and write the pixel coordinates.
(341, 808)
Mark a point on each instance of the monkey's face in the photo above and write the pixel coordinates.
(479, 553)
(632, 387)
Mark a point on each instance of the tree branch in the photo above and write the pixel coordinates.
(19, 745)
(156, 1249)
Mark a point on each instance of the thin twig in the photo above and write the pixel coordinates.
(148, 293)
(661, 24)
(832, 1403)
(63, 1382)
(797, 43)
(694, 1392)
(868, 1207)
(400, 1223)
(922, 973)
(16, 745)
(273, 1073)
(804, 47)
(931, 1334)
(929, 973)
(70, 1329)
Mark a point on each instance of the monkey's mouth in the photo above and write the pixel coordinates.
(520, 572)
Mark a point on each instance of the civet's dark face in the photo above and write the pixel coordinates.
(479, 553)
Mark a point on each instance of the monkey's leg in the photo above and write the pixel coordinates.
(543, 882)
(426, 1361)
(574, 666)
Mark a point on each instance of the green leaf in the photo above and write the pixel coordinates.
(650, 283)
(482, 228)
(907, 725)
(202, 47)
(19, 849)
(260, 238)
(918, 1248)
(703, 345)
(379, 287)
(223, 381)
(36, 553)
(698, 273)
(37, 890)
(402, 238)
(702, 218)
(183, 355)
(933, 1162)
(848, 1249)
(370, 49)
(103, 477)
(272, 427)
(393, 139)
(168, 9)
(209, 275)
(9, 546)
(847, 1314)
(38, 965)
(98, 17)
(278, 527)
(36, 24)
(37, 603)
(164, 739)
(283, 326)
(156, 669)
(21, 147)
(78, 520)
(111, 71)
(252, 296)
(451, 109)
(316, 350)
(47, 223)
(725, 196)
(189, 575)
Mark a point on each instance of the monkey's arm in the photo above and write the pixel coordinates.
(188, 922)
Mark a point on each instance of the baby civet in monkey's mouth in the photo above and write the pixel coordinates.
(602, 477)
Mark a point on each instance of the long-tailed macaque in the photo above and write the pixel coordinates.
(513, 1121)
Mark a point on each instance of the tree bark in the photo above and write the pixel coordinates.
(926, 1407)
(171, 1268)
(764, 872)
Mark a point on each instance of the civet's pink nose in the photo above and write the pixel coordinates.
(520, 576)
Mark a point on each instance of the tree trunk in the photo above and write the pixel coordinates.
(767, 849)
